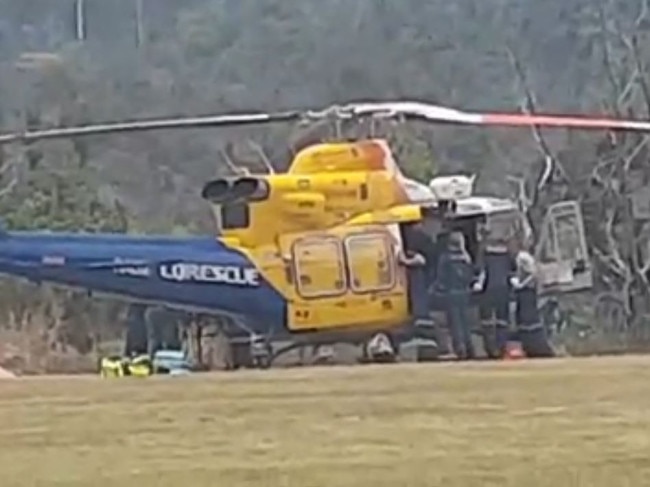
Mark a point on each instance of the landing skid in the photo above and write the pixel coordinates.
(211, 343)
(258, 352)
(381, 348)
(253, 352)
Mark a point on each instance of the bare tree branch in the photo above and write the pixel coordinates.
(226, 155)
(9, 187)
(550, 159)
(607, 55)
(633, 45)
(263, 157)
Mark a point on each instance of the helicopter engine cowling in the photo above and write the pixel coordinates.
(250, 189)
(216, 191)
(223, 191)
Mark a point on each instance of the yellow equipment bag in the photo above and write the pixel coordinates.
(140, 366)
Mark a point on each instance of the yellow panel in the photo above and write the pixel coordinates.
(319, 267)
(329, 314)
(369, 259)
(325, 301)
(364, 155)
(396, 214)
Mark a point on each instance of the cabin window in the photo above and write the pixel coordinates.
(369, 262)
(548, 246)
(568, 238)
(235, 216)
(319, 267)
(502, 226)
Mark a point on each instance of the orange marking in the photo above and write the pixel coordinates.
(373, 155)
(564, 121)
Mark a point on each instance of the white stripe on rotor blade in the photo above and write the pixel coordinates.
(430, 112)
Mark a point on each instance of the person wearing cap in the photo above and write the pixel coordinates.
(455, 275)
(530, 328)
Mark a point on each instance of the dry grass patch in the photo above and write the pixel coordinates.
(558, 423)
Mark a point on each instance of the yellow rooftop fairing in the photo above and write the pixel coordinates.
(326, 185)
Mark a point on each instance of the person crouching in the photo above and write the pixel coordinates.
(530, 328)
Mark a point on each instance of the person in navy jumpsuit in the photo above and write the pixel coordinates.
(137, 333)
(417, 257)
(455, 275)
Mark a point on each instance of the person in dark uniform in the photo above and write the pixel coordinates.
(137, 336)
(163, 327)
(417, 257)
(494, 300)
(440, 246)
(455, 275)
(530, 329)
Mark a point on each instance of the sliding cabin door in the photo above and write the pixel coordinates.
(561, 252)
(347, 277)
(319, 266)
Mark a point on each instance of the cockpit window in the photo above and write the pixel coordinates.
(502, 226)
(235, 216)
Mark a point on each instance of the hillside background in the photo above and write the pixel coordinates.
(65, 62)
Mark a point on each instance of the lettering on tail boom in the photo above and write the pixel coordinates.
(211, 274)
(133, 271)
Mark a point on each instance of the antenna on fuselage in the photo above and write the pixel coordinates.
(231, 165)
(241, 165)
(265, 160)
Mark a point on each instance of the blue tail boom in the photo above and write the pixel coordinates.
(194, 273)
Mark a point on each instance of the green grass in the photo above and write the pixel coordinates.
(560, 423)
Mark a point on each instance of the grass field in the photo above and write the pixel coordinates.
(559, 423)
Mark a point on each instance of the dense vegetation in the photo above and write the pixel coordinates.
(164, 57)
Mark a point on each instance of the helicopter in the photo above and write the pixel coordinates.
(308, 255)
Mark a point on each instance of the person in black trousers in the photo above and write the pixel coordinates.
(418, 258)
(455, 275)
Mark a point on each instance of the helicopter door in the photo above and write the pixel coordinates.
(561, 251)
(319, 266)
(370, 262)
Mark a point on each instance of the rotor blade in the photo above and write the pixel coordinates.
(413, 110)
(564, 121)
(435, 113)
(145, 125)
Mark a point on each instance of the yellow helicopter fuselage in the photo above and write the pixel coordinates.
(325, 235)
